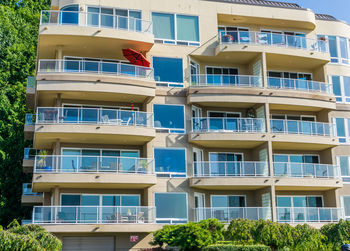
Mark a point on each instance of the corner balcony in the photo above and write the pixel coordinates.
(304, 176)
(30, 197)
(80, 219)
(279, 48)
(67, 171)
(302, 135)
(310, 215)
(100, 33)
(92, 125)
(225, 175)
(227, 214)
(105, 81)
(29, 126)
(224, 132)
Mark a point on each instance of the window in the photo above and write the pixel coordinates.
(169, 117)
(344, 164)
(343, 130)
(228, 201)
(226, 164)
(230, 34)
(341, 88)
(299, 201)
(338, 48)
(171, 207)
(168, 70)
(296, 165)
(346, 206)
(333, 48)
(170, 162)
(69, 14)
(175, 29)
(291, 39)
(99, 200)
(292, 80)
(221, 75)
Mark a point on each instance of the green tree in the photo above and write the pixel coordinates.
(19, 21)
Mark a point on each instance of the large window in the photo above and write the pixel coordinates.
(228, 201)
(175, 29)
(169, 117)
(99, 200)
(170, 162)
(341, 88)
(344, 164)
(69, 14)
(346, 206)
(338, 48)
(343, 130)
(171, 207)
(168, 71)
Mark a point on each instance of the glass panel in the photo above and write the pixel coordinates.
(70, 115)
(111, 200)
(70, 160)
(128, 162)
(346, 200)
(314, 201)
(107, 17)
(163, 25)
(299, 201)
(340, 127)
(170, 160)
(236, 201)
(344, 165)
(90, 200)
(93, 16)
(168, 69)
(336, 85)
(219, 201)
(130, 200)
(89, 115)
(284, 201)
(169, 116)
(344, 49)
(333, 48)
(346, 85)
(70, 200)
(187, 28)
(69, 14)
(280, 158)
(171, 205)
(135, 22)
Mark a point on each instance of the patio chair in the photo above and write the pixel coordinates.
(140, 218)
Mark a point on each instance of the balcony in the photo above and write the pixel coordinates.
(92, 172)
(279, 48)
(30, 92)
(226, 214)
(223, 132)
(29, 126)
(215, 80)
(102, 80)
(100, 33)
(306, 135)
(30, 197)
(28, 159)
(225, 174)
(308, 214)
(92, 125)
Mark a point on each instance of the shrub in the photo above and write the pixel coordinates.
(308, 238)
(337, 234)
(233, 247)
(241, 231)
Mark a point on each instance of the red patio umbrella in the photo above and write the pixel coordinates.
(136, 58)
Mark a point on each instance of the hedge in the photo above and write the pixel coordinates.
(231, 247)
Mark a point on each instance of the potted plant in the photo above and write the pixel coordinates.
(41, 163)
(143, 166)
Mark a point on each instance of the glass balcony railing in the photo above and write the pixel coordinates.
(305, 170)
(302, 127)
(74, 115)
(93, 215)
(27, 190)
(31, 84)
(236, 125)
(26, 222)
(92, 164)
(92, 19)
(94, 67)
(230, 169)
(30, 119)
(30, 153)
(226, 214)
(269, 39)
(308, 214)
(226, 80)
(299, 85)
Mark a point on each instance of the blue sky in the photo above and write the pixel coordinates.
(340, 9)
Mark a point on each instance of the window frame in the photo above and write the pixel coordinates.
(339, 59)
(338, 164)
(176, 41)
(172, 130)
(346, 130)
(228, 195)
(172, 219)
(171, 174)
(344, 99)
(100, 197)
(168, 83)
(295, 154)
(347, 217)
(296, 196)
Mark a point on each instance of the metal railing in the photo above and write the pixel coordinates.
(302, 127)
(231, 169)
(226, 80)
(99, 20)
(269, 39)
(94, 67)
(72, 115)
(308, 214)
(300, 85)
(30, 119)
(226, 214)
(305, 170)
(27, 190)
(238, 125)
(92, 164)
(93, 215)
(30, 153)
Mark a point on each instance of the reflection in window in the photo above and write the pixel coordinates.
(171, 207)
(343, 130)
(170, 117)
(168, 70)
(344, 164)
(170, 161)
(341, 88)
(69, 14)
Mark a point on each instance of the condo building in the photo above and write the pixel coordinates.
(153, 112)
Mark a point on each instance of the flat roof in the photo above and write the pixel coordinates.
(262, 3)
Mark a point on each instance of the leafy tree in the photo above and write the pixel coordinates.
(19, 22)
(338, 234)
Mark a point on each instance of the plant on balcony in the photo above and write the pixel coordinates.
(143, 166)
(41, 163)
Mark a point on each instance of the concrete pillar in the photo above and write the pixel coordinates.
(56, 196)
(264, 68)
(59, 100)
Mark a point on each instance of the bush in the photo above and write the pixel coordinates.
(233, 247)
(241, 231)
(337, 234)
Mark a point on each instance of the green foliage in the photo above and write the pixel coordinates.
(338, 234)
(19, 21)
(190, 236)
(232, 247)
(241, 231)
(28, 237)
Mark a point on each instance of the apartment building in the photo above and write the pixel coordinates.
(229, 109)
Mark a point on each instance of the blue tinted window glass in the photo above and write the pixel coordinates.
(130, 200)
(171, 206)
(187, 28)
(169, 116)
(163, 26)
(70, 200)
(69, 14)
(346, 86)
(284, 201)
(340, 127)
(344, 165)
(333, 46)
(336, 85)
(110, 200)
(170, 160)
(168, 69)
(90, 200)
(280, 158)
